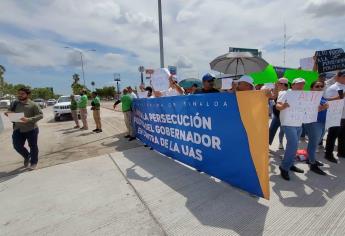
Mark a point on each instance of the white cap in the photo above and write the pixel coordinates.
(298, 80)
(246, 78)
(283, 80)
(267, 86)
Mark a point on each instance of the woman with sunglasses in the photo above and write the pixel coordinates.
(281, 85)
(315, 130)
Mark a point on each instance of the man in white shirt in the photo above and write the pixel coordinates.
(131, 92)
(335, 92)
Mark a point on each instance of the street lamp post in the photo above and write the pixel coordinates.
(160, 33)
(82, 61)
(117, 79)
(141, 69)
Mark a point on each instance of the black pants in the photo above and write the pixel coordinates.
(19, 139)
(333, 134)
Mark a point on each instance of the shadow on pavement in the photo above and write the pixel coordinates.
(4, 176)
(308, 189)
(215, 204)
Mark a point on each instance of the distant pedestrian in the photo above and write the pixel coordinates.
(27, 129)
(82, 108)
(74, 111)
(126, 102)
(96, 109)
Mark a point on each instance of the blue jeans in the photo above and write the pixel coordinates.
(292, 135)
(275, 124)
(314, 132)
(19, 139)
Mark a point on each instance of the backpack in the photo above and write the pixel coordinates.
(13, 106)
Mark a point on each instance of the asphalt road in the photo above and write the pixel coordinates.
(59, 143)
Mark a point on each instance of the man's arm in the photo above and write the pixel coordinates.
(38, 115)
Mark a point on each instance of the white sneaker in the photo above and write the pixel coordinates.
(281, 146)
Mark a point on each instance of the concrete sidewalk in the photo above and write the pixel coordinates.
(140, 192)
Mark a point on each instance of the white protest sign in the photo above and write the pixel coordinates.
(15, 117)
(226, 83)
(160, 79)
(307, 63)
(334, 113)
(142, 94)
(303, 107)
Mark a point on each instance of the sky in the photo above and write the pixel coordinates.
(124, 33)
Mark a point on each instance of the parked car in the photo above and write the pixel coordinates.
(62, 107)
(51, 102)
(41, 102)
(5, 103)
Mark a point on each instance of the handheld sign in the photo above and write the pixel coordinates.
(303, 107)
(330, 60)
(307, 63)
(15, 117)
(334, 113)
(160, 79)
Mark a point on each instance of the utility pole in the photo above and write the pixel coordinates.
(284, 49)
(160, 34)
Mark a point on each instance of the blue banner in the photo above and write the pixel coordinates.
(203, 131)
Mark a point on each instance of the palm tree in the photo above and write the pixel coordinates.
(93, 85)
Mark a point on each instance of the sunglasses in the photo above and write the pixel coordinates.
(286, 85)
(318, 86)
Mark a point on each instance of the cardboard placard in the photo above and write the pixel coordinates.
(330, 60)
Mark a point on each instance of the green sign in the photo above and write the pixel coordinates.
(268, 75)
(309, 76)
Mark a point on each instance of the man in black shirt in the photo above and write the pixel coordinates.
(207, 84)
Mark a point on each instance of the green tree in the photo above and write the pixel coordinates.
(106, 92)
(45, 93)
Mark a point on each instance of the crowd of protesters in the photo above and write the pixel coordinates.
(27, 129)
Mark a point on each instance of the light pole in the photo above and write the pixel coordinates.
(160, 33)
(81, 59)
(117, 79)
(141, 69)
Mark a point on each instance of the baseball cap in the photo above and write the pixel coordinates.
(246, 78)
(283, 80)
(298, 80)
(208, 77)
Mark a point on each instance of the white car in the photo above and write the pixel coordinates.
(51, 102)
(62, 107)
(5, 103)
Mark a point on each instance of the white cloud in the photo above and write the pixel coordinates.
(195, 31)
